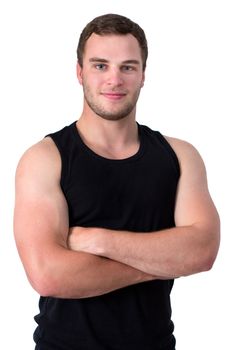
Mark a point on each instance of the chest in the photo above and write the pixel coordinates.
(137, 195)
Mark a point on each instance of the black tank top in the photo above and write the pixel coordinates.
(135, 194)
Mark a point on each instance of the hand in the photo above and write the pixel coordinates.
(85, 239)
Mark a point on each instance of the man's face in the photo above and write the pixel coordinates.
(112, 75)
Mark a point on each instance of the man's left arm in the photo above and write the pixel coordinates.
(188, 248)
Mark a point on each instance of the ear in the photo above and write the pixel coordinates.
(143, 79)
(79, 73)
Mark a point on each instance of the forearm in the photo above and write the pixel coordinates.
(170, 253)
(69, 274)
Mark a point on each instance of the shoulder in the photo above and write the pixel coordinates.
(48, 149)
(190, 160)
(41, 160)
(43, 151)
(180, 146)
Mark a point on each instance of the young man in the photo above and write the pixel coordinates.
(109, 212)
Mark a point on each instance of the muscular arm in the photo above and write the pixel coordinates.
(188, 248)
(41, 229)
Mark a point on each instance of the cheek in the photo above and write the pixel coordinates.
(90, 87)
(137, 84)
(92, 80)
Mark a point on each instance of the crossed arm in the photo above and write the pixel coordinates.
(188, 248)
(88, 262)
(41, 230)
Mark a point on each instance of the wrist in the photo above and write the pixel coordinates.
(100, 240)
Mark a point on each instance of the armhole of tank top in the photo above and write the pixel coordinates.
(63, 160)
(170, 151)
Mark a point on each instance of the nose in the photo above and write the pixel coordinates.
(114, 77)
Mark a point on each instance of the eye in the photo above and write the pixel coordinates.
(127, 68)
(100, 66)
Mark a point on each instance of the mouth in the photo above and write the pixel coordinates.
(113, 95)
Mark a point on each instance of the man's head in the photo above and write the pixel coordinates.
(112, 24)
(112, 55)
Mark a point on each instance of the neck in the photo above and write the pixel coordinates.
(114, 139)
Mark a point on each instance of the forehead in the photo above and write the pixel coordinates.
(117, 47)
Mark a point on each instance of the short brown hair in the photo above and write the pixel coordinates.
(113, 24)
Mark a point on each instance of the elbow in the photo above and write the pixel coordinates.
(213, 249)
(209, 248)
(206, 263)
(208, 256)
(43, 283)
(203, 259)
(199, 263)
(50, 283)
(43, 278)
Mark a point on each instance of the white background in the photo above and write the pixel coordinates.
(188, 94)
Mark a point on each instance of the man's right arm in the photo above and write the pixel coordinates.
(41, 229)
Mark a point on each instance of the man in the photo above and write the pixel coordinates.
(108, 212)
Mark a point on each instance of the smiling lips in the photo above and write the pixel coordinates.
(113, 95)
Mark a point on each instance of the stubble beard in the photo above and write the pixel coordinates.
(102, 112)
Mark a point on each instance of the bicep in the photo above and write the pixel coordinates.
(41, 215)
(40, 220)
(194, 205)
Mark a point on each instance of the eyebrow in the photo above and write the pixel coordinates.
(103, 60)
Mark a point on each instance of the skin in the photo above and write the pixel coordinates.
(71, 262)
(188, 248)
